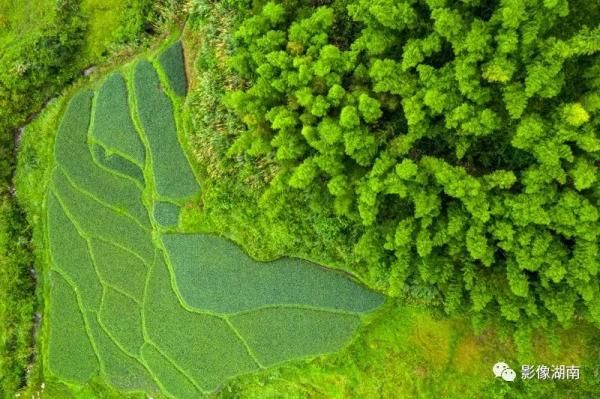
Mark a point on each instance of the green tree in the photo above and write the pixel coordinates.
(459, 139)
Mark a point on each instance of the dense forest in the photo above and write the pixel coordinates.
(445, 152)
(463, 140)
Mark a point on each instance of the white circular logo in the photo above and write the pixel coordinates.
(499, 368)
(503, 370)
(509, 375)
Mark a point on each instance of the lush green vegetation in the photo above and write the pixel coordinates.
(46, 44)
(121, 283)
(444, 152)
(117, 164)
(64, 349)
(458, 140)
(240, 200)
(17, 297)
(120, 370)
(70, 255)
(111, 260)
(112, 24)
(278, 334)
(172, 379)
(407, 353)
(40, 44)
(31, 53)
(83, 172)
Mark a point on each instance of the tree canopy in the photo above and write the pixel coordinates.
(461, 135)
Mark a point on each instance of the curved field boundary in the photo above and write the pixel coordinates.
(165, 313)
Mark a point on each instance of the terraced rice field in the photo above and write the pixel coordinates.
(147, 309)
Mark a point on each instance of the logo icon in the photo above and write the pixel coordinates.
(503, 370)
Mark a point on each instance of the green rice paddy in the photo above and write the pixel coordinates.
(203, 265)
(172, 173)
(74, 348)
(112, 125)
(166, 213)
(117, 164)
(172, 62)
(147, 309)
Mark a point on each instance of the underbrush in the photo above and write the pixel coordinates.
(17, 299)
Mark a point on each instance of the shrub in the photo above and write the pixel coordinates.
(17, 297)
